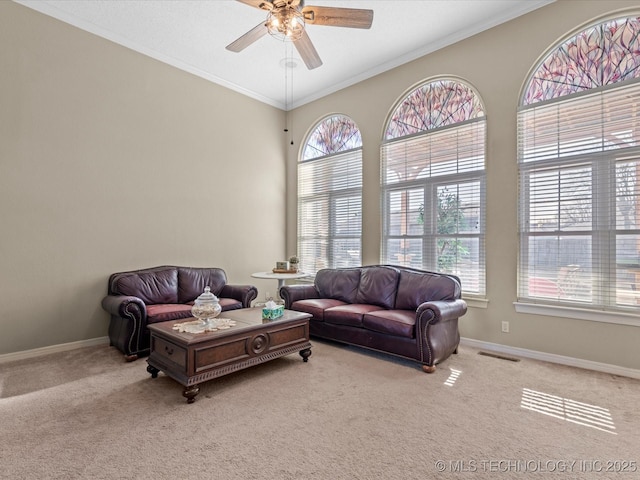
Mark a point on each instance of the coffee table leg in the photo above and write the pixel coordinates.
(190, 393)
(153, 371)
(305, 354)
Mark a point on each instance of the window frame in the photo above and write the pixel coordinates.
(429, 183)
(574, 149)
(340, 155)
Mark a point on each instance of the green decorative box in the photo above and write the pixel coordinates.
(273, 313)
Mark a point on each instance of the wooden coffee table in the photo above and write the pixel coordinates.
(193, 358)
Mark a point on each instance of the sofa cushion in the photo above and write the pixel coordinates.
(191, 282)
(378, 286)
(400, 323)
(160, 286)
(350, 314)
(415, 288)
(316, 306)
(340, 284)
(166, 312)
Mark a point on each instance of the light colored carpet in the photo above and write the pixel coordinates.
(346, 414)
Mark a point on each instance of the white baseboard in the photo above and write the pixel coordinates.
(553, 358)
(480, 345)
(36, 352)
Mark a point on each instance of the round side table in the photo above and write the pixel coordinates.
(281, 277)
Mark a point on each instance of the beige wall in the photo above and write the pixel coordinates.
(110, 161)
(496, 63)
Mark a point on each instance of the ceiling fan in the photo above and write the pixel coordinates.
(287, 19)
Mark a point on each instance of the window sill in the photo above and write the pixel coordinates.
(619, 318)
(475, 302)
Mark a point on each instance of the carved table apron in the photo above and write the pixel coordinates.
(193, 358)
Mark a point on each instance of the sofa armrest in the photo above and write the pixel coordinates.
(293, 293)
(128, 324)
(125, 306)
(243, 293)
(440, 311)
(437, 330)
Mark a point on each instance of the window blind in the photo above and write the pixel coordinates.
(433, 197)
(579, 215)
(330, 211)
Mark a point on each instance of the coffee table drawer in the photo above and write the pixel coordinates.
(169, 351)
(221, 353)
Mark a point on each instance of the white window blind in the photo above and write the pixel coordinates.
(433, 194)
(579, 215)
(330, 211)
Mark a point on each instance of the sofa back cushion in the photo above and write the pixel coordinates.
(191, 282)
(415, 288)
(152, 286)
(339, 284)
(378, 286)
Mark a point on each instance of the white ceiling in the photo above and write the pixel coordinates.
(192, 35)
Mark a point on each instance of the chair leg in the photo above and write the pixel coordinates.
(429, 368)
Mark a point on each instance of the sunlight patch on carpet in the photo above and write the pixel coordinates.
(453, 376)
(570, 410)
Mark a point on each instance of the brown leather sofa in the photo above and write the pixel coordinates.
(398, 310)
(138, 298)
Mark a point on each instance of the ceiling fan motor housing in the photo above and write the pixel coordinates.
(271, 4)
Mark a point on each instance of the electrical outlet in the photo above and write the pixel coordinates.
(505, 327)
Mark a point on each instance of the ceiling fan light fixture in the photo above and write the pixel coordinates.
(286, 23)
(287, 20)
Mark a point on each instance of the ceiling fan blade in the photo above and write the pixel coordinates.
(338, 17)
(261, 4)
(256, 33)
(307, 51)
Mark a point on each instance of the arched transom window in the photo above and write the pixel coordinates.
(604, 54)
(433, 182)
(330, 196)
(579, 169)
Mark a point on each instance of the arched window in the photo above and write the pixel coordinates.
(433, 182)
(330, 196)
(579, 169)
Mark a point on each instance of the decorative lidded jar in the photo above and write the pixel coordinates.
(206, 307)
